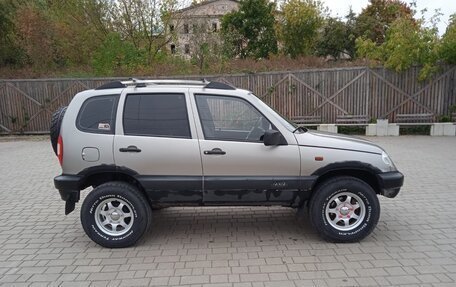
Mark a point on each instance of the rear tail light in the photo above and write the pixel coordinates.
(60, 149)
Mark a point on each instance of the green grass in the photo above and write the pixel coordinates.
(415, 130)
(352, 130)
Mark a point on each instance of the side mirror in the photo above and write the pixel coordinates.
(273, 137)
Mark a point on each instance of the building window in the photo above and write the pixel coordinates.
(173, 49)
(214, 27)
(171, 28)
(187, 49)
(185, 28)
(195, 28)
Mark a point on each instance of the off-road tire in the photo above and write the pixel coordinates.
(323, 195)
(56, 123)
(129, 194)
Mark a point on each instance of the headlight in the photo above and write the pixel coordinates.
(386, 159)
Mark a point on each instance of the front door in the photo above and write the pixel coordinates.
(237, 167)
(156, 141)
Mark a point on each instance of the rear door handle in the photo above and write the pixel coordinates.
(215, 151)
(130, 148)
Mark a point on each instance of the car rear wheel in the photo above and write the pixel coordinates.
(344, 209)
(115, 215)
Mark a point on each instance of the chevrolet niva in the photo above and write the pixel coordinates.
(149, 144)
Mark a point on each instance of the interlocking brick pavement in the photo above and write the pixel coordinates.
(414, 243)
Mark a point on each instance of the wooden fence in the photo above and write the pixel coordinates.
(26, 105)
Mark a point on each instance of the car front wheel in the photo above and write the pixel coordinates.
(115, 215)
(344, 209)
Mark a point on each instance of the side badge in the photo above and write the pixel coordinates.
(279, 184)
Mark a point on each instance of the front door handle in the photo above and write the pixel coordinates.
(215, 151)
(130, 148)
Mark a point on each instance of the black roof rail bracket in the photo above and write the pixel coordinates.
(220, 86)
(111, 85)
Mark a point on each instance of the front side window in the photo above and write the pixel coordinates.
(291, 126)
(230, 118)
(98, 115)
(160, 115)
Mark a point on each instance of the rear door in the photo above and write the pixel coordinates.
(238, 168)
(156, 139)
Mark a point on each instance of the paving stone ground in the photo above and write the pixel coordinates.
(414, 243)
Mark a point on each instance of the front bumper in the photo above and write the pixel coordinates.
(69, 187)
(390, 183)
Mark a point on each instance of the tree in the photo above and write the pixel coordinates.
(448, 43)
(407, 43)
(337, 38)
(81, 26)
(350, 24)
(302, 20)
(249, 32)
(9, 52)
(374, 21)
(143, 23)
(35, 35)
(205, 47)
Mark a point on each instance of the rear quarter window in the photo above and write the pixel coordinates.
(98, 114)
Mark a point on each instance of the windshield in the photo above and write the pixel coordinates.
(283, 120)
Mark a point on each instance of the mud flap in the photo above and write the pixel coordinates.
(70, 197)
(69, 206)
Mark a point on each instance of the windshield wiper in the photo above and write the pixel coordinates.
(303, 129)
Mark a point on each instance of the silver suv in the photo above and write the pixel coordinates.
(144, 145)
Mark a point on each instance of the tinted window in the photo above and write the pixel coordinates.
(98, 115)
(163, 115)
(230, 118)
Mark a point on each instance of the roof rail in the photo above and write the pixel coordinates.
(143, 83)
(136, 82)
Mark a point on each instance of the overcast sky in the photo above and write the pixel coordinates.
(447, 7)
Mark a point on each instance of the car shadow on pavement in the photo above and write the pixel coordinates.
(228, 224)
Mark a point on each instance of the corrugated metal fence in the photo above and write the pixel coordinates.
(26, 105)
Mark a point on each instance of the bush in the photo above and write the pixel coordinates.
(115, 56)
(352, 130)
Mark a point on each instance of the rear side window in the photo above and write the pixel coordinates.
(98, 115)
(160, 115)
